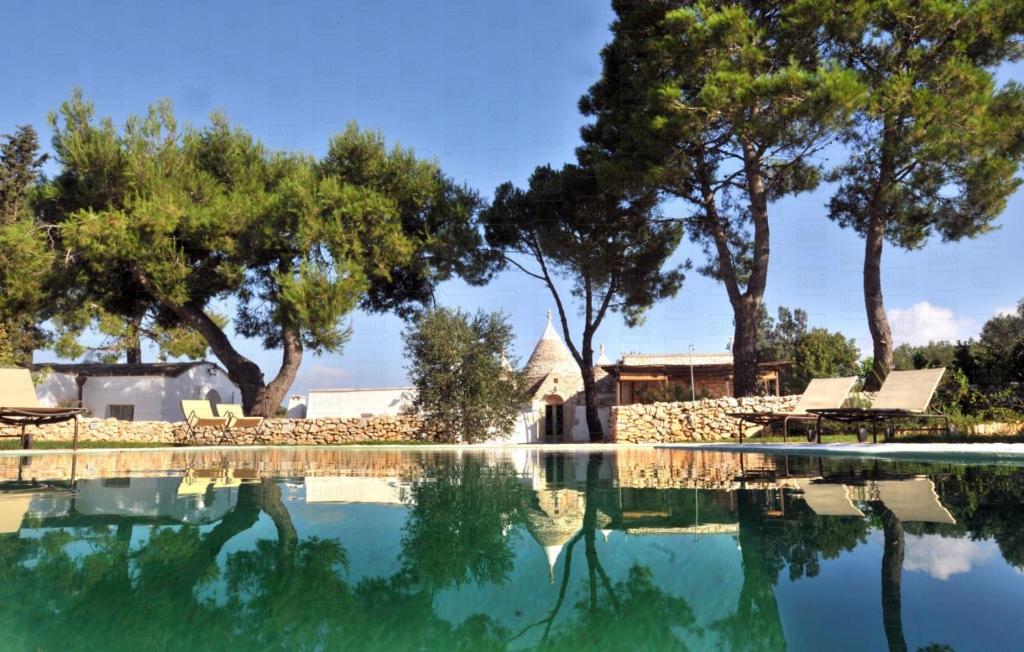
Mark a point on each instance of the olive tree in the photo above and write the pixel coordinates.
(464, 382)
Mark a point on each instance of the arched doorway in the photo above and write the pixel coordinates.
(213, 396)
(554, 419)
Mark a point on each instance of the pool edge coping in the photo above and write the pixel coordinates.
(886, 450)
(975, 452)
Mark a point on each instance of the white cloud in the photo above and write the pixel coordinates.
(319, 377)
(942, 557)
(922, 323)
(1006, 311)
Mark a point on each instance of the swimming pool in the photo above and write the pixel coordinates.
(506, 549)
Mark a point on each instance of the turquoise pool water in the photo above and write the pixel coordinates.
(345, 549)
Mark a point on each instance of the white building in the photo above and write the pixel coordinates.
(556, 411)
(358, 489)
(357, 402)
(295, 408)
(134, 392)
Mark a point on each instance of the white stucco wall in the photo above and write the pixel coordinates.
(528, 426)
(526, 430)
(156, 398)
(196, 383)
(351, 489)
(144, 392)
(356, 402)
(57, 389)
(296, 407)
(580, 433)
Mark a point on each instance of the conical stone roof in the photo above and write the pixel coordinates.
(550, 356)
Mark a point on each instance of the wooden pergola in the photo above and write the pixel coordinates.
(713, 379)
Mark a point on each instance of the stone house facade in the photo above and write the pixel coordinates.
(555, 412)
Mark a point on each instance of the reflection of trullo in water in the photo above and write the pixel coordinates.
(554, 520)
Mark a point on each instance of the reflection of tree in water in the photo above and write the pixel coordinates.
(287, 592)
(459, 522)
(138, 599)
(798, 540)
(630, 614)
(988, 503)
(641, 617)
(893, 547)
(284, 593)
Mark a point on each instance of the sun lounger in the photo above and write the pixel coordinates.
(904, 394)
(13, 508)
(199, 414)
(911, 500)
(192, 487)
(238, 421)
(820, 393)
(914, 500)
(19, 406)
(827, 499)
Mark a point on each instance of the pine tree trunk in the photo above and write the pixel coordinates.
(133, 342)
(874, 239)
(133, 354)
(594, 428)
(878, 323)
(270, 396)
(747, 305)
(744, 348)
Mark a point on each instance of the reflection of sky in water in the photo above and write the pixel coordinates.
(955, 592)
(941, 557)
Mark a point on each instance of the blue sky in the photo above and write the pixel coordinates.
(489, 89)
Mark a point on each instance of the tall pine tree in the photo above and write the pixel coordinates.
(724, 106)
(935, 146)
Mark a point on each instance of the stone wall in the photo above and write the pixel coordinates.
(1000, 428)
(638, 468)
(274, 431)
(90, 429)
(207, 462)
(705, 420)
(641, 468)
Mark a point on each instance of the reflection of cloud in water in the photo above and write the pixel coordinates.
(942, 557)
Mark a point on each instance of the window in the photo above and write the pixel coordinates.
(121, 412)
(554, 421)
(554, 469)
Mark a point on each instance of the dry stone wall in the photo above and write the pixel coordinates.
(107, 430)
(274, 431)
(705, 420)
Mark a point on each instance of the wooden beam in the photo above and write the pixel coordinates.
(643, 378)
